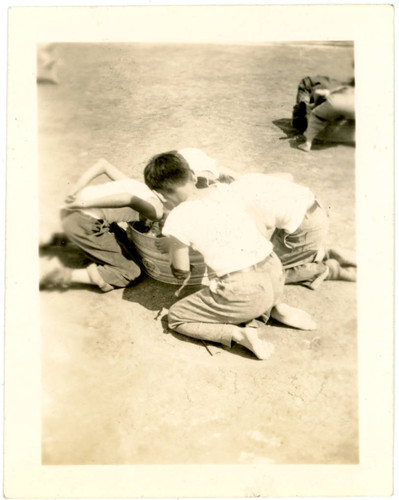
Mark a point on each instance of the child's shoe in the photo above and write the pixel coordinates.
(255, 340)
(305, 146)
(292, 316)
(338, 272)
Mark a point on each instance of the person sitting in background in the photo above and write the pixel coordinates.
(320, 102)
(88, 217)
(250, 279)
(308, 96)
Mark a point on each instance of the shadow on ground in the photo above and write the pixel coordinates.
(118, 388)
(65, 251)
(285, 125)
(294, 138)
(157, 296)
(330, 138)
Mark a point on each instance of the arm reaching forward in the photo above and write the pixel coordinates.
(180, 264)
(150, 208)
(100, 167)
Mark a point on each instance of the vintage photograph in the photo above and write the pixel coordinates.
(244, 350)
(198, 210)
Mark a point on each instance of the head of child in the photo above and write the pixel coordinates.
(169, 174)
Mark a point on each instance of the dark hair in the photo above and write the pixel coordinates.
(166, 170)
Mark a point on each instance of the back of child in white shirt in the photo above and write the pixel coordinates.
(280, 203)
(220, 229)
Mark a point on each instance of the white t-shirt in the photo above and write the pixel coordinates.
(220, 229)
(200, 163)
(277, 202)
(125, 214)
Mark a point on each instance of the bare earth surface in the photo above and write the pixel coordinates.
(118, 388)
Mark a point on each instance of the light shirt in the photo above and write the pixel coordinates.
(124, 214)
(199, 162)
(220, 229)
(275, 201)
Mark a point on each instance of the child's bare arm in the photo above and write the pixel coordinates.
(151, 209)
(100, 167)
(180, 258)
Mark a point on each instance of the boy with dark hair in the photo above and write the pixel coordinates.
(250, 280)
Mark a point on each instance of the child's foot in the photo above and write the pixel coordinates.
(293, 317)
(54, 274)
(345, 258)
(254, 340)
(305, 146)
(338, 272)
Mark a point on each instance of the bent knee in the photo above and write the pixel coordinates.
(174, 316)
(133, 272)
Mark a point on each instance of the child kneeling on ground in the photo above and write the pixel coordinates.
(300, 225)
(250, 280)
(88, 219)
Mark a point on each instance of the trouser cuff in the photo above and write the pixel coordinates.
(97, 279)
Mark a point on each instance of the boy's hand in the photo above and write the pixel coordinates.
(163, 244)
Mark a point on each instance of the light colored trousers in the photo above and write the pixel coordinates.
(235, 299)
(302, 251)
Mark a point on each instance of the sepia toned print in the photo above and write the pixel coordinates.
(130, 373)
(119, 386)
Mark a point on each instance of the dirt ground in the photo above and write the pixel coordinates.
(118, 387)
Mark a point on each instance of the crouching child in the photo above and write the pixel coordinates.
(250, 281)
(300, 227)
(89, 219)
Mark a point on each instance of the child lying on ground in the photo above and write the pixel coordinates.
(301, 227)
(249, 281)
(87, 220)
